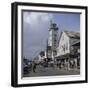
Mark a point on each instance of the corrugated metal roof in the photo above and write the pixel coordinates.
(73, 34)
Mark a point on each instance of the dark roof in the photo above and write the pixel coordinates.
(77, 43)
(70, 34)
(73, 34)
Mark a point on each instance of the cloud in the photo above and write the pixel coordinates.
(37, 19)
(36, 26)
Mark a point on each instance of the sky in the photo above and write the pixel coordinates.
(36, 29)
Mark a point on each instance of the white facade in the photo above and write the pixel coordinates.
(64, 44)
(50, 38)
(52, 41)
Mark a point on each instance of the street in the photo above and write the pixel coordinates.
(51, 71)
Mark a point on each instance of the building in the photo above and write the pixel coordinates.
(68, 50)
(42, 56)
(51, 47)
(52, 41)
(76, 52)
(45, 55)
(65, 50)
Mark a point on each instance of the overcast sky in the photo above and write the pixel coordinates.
(36, 26)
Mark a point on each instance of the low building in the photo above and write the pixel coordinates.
(45, 55)
(76, 52)
(42, 56)
(69, 43)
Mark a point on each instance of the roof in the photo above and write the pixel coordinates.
(73, 34)
(77, 43)
(70, 34)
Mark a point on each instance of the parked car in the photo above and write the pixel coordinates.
(27, 66)
(26, 69)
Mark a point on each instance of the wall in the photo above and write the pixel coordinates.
(5, 47)
(64, 41)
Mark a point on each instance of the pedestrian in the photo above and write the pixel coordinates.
(59, 64)
(34, 67)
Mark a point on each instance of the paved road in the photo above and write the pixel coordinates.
(49, 71)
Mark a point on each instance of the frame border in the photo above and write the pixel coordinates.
(14, 43)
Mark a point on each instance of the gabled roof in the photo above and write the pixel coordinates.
(73, 34)
(77, 43)
(70, 34)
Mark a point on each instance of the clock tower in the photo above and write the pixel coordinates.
(53, 31)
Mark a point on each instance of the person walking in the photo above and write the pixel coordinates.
(34, 67)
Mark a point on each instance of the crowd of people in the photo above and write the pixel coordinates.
(67, 65)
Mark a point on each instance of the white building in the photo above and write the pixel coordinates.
(51, 48)
(67, 41)
(52, 41)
